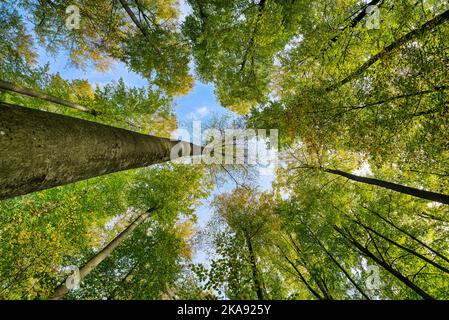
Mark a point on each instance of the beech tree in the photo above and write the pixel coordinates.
(65, 150)
(357, 208)
(62, 289)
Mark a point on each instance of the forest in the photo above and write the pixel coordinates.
(101, 199)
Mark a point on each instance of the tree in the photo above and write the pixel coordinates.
(66, 149)
(151, 47)
(423, 194)
(357, 208)
(235, 44)
(391, 110)
(62, 289)
(241, 236)
(335, 221)
(148, 263)
(4, 85)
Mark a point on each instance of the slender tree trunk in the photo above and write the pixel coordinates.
(139, 25)
(262, 4)
(402, 96)
(334, 260)
(62, 289)
(430, 216)
(40, 150)
(133, 17)
(128, 276)
(321, 283)
(7, 86)
(359, 17)
(413, 252)
(252, 258)
(385, 265)
(303, 279)
(428, 26)
(411, 236)
(414, 192)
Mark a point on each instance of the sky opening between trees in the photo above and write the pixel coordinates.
(92, 207)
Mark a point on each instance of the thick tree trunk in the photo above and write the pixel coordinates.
(428, 195)
(40, 150)
(62, 289)
(385, 265)
(252, 258)
(7, 86)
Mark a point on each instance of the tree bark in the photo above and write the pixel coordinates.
(414, 192)
(40, 150)
(385, 265)
(62, 289)
(252, 258)
(7, 86)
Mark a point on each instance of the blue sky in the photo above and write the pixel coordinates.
(199, 105)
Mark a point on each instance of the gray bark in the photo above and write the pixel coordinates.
(41, 150)
(62, 289)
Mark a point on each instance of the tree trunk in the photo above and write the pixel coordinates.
(428, 195)
(7, 86)
(133, 17)
(413, 252)
(138, 24)
(126, 278)
(334, 260)
(40, 150)
(321, 283)
(359, 17)
(411, 236)
(252, 259)
(385, 265)
(303, 279)
(62, 289)
(262, 4)
(428, 26)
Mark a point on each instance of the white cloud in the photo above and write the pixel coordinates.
(199, 113)
(202, 111)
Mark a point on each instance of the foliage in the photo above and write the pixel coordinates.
(346, 92)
